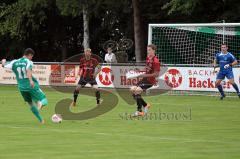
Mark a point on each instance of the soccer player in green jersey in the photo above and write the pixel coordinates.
(27, 84)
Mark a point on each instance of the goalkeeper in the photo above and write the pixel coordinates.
(226, 61)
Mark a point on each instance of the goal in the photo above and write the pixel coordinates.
(194, 44)
(189, 49)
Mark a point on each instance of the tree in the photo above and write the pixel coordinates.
(184, 6)
(204, 10)
(18, 20)
(86, 38)
(138, 33)
(76, 8)
(21, 17)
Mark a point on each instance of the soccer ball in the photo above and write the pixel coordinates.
(133, 89)
(56, 118)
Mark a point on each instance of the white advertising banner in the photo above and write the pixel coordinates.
(194, 78)
(6, 76)
(172, 78)
(115, 76)
(40, 72)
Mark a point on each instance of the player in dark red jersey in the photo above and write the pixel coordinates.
(88, 70)
(149, 79)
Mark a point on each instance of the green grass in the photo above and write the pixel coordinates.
(213, 132)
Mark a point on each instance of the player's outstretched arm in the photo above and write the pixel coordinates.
(3, 62)
(6, 64)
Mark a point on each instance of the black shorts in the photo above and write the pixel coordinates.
(144, 84)
(84, 81)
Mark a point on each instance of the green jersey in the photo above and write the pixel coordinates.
(20, 67)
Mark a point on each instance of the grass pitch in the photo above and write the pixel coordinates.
(196, 127)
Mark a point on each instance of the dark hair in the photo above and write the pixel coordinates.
(224, 44)
(28, 51)
(154, 47)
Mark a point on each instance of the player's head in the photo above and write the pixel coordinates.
(87, 53)
(28, 53)
(224, 48)
(151, 50)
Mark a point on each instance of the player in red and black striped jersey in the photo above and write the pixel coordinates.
(149, 79)
(88, 70)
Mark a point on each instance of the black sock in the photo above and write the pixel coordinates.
(98, 97)
(220, 89)
(134, 96)
(235, 87)
(143, 102)
(75, 95)
(139, 102)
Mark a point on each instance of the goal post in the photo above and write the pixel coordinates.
(195, 43)
(187, 52)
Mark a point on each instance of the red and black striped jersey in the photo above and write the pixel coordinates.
(152, 65)
(88, 67)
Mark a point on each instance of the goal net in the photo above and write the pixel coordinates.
(194, 46)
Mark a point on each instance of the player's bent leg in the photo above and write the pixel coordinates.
(97, 94)
(42, 103)
(36, 112)
(218, 82)
(27, 96)
(147, 107)
(133, 89)
(75, 95)
(235, 86)
(219, 87)
(137, 91)
(145, 85)
(39, 97)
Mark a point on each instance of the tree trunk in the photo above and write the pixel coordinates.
(64, 51)
(138, 33)
(85, 28)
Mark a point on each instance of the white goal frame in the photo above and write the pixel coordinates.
(223, 25)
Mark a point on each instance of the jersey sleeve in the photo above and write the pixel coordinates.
(81, 64)
(95, 62)
(105, 57)
(216, 57)
(29, 65)
(232, 59)
(9, 65)
(156, 65)
(114, 58)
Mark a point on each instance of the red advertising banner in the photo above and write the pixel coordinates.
(56, 74)
(69, 74)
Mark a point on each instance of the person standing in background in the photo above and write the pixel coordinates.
(110, 57)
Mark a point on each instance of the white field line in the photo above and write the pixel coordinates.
(154, 138)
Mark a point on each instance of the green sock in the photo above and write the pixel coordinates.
(35, 111)
(44, 102)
